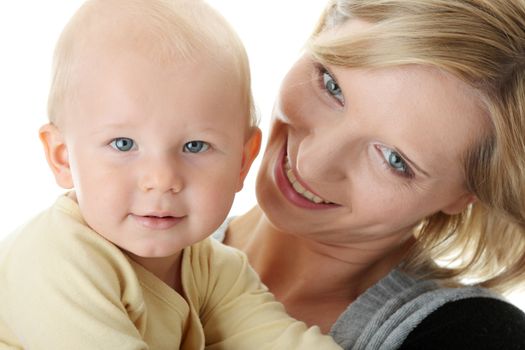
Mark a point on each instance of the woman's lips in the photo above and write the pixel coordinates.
(299, 196)
(157, 222)
(300, 187)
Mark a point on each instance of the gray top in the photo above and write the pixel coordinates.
(384, 315)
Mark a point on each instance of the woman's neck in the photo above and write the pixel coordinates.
(310, 278)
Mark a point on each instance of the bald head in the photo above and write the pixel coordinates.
(163, 31)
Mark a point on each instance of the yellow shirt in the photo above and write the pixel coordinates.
(63, 286)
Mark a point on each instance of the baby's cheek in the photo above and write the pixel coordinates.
(217, 204)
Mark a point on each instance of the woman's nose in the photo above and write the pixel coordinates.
(161, 175)
(320, 157)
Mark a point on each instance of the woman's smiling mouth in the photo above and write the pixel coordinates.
(298, 187)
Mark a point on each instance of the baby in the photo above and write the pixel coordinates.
(152, 130)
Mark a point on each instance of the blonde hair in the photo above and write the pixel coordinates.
(482, 42)
(164, 30)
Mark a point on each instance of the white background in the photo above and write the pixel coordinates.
(273, 31)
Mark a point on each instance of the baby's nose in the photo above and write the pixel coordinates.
(162, 176)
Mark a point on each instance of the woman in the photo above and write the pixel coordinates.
(398, 141)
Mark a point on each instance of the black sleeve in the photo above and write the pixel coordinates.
(475, 323)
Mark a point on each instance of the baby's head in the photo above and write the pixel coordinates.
(151, 120)
(162, 31)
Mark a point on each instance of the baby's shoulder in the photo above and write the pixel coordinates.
(57, 243)
(217, 256)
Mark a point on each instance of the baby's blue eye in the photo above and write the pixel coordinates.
(196, 146)
(332, 87)
(122, 144)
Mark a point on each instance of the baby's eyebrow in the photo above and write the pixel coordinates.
(114, 125)
(111, 129)
(214, 130)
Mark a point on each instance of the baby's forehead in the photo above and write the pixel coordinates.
(163, 32)
(130, 80)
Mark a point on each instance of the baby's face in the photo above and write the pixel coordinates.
(155, 151)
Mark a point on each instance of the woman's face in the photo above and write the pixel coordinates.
(357, 154)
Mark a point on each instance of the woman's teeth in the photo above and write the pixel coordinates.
(298, 187)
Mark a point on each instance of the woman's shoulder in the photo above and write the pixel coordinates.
(398, 305)
(470, 323)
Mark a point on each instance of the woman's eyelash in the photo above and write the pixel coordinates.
(408, 174)
(395, 163)
(328, 84)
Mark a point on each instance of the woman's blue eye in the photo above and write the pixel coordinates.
(122, 144)
(396, 162)
(196, 146)
(332, 87)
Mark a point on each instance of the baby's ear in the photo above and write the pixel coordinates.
(56, 154)
(250, 152)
